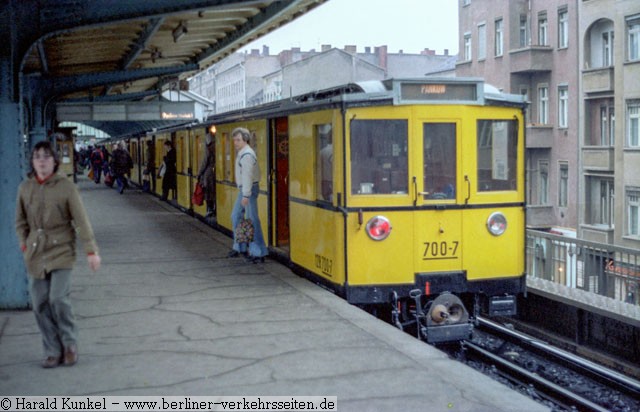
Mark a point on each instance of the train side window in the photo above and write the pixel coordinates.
(379, 156)
(439, 144)
(497, 155)
(324, 162)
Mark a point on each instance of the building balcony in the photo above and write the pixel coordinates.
(598, 158)
(540, 216)
(539, 136)
(532, 59)
(597, 233)
(598, 80)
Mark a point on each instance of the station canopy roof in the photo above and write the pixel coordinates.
(133, 50)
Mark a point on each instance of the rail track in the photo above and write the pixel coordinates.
(560, 379)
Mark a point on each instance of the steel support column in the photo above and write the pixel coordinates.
(13, 279)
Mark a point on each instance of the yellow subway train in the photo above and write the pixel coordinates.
(404, 196)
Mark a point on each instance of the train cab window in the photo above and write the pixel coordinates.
(439, 143)
(324, 162)
(379, 157)
(497, 155)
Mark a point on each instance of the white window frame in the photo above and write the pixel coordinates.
(467, 47)
(543, 32)
(563, 29)
(633, 212)
(543, 105)
(607, 49)
(607, 126)
(563, 184)
(607, 203)
(482, 41)
(633, 38)
(499, 37)
(543, 182)
(633, 123)
(563, 106)
(524, 31)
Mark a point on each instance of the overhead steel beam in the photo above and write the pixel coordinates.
(139, 46)
(70, 84)
(115, 97)
(58, 16)
(43, 58)
(141, 43)
(271, 11)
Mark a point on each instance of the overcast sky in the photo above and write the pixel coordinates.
(408, 25)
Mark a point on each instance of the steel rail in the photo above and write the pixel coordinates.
(600, 373)
(545, 388)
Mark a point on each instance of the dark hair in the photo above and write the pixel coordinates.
(46, 146)
(168, 143)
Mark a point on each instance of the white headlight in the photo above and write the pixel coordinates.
(497, 223)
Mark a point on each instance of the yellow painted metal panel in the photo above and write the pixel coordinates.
(487, 256)
(388, 261)
(317, 241)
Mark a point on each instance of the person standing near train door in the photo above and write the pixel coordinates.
(247, 179)
(170, 178)
(49, 217)
(206, 176)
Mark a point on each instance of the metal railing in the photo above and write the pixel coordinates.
(607, 270)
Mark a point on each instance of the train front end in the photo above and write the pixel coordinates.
(434, 205)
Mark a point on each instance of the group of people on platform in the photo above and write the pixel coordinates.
(50, 216)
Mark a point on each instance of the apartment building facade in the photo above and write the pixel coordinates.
(610, 121)
(530, 47)
(247, 79)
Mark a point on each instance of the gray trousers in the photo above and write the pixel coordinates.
(52, 308)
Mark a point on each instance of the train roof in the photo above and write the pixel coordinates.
(426, 90)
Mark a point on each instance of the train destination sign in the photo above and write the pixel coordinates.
(439, 92)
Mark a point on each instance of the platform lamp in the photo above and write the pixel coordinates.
(179, 31)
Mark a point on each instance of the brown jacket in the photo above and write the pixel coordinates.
(48, 218)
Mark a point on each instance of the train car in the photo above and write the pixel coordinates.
(403, 195)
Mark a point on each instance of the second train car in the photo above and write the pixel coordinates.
(403, 195)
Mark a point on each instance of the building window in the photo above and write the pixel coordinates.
(605, 216)
(542, 29)
(499, 38)
(524, 33)
(543, 105)
(633, 30)
(466, 2)
(633, 123)
(563, 29)
(482, 41)
(599, 201)
(633, 212)
(607, 49)
(563, 185)
(467, 46)
(543, 182)
(563, 106)
(607, 126)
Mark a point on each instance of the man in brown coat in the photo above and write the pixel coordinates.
(49, 214)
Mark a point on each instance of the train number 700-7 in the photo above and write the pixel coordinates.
(440, 250)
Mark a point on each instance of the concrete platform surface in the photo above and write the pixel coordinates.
(170, 314)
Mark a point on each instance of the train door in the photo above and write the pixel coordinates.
(494, 196)
(279, 173)
(438, 223)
